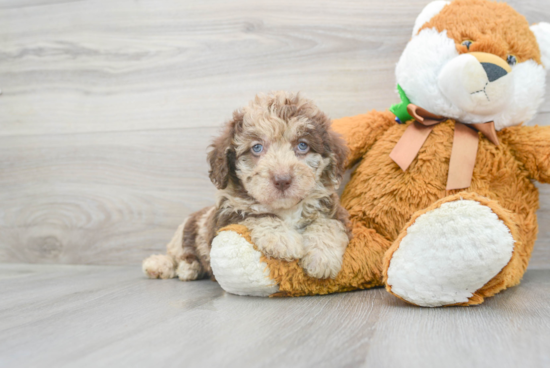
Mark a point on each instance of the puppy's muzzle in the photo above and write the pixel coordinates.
(477, 82)
(282, 182)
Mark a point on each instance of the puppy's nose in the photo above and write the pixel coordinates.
(282, 182)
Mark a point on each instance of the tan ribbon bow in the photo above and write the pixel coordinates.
(463, 154)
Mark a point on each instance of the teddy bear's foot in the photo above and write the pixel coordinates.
(448, 253)
(159, 266)
(237, 267)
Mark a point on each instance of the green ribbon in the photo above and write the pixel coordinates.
(400, 109)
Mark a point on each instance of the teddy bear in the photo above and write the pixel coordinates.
(442, 202)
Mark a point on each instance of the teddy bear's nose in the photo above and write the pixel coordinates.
(494, 66)
(493, 71)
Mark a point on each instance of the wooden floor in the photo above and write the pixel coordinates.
(106, 316)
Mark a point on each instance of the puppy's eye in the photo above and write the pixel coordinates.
(511, 60)
(467, 43)
(257, 149)
(302, 147)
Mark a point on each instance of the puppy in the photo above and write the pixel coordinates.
(277, 167)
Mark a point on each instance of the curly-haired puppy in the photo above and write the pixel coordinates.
(277, 166)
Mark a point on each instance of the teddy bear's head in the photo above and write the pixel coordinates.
(476, 61)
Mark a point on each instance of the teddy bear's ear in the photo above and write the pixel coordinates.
(429, 11)
(542, 33)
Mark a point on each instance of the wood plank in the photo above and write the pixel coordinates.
(101, 198)
(75, 66)
(84, 316)
(108, 107)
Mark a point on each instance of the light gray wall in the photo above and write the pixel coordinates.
(108, 106)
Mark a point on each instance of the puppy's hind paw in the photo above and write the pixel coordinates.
(189, 271)
(318, 265)
(281, 245)
(159, 266)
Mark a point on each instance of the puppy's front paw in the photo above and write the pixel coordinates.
(320, 265)
(325, 243)
(283, 245)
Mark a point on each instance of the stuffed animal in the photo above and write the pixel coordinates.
(442, 204)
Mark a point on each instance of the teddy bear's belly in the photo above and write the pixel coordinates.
(383, 197)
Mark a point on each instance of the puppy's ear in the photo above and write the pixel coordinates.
(222, 156)
(334, 146)
(339, 153)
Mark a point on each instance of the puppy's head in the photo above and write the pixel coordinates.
(279, 150)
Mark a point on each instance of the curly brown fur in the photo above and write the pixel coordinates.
(284, 191)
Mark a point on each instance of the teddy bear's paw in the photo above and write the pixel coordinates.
(285, 245)
(448, 254)
(159, 266)
(237, 266)
(320, 265)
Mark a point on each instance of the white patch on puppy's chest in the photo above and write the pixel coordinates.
(291, 216)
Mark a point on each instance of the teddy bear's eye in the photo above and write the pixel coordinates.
(511, 60)
(467, 43)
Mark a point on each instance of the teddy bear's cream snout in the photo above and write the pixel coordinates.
(477, 82)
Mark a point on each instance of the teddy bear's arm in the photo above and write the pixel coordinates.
(362, 131)
(531, 146)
